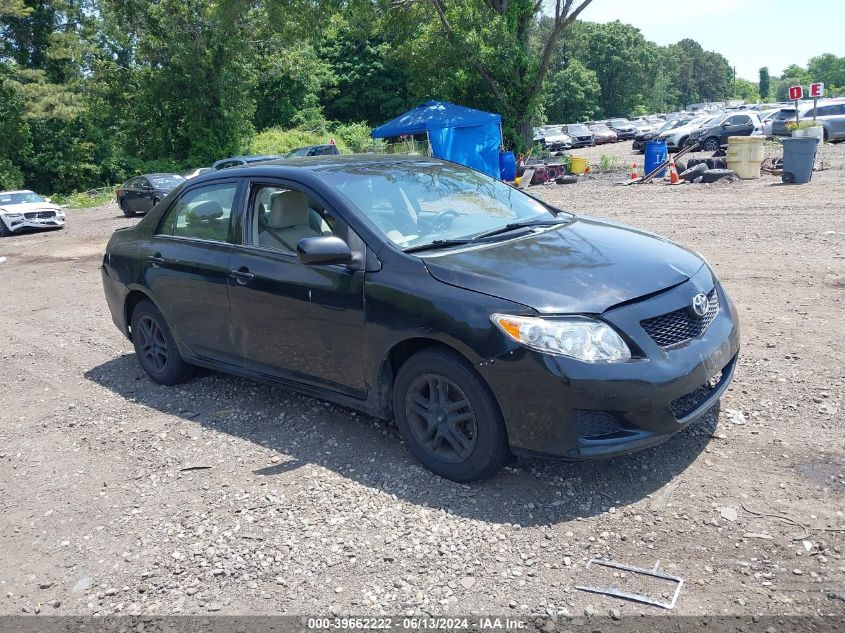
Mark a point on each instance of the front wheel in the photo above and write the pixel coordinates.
(155, 347)
(4, 230)
(449, 417)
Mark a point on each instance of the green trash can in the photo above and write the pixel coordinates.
(799, 156)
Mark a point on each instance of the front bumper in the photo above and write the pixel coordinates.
(24, 223)
(550, 403)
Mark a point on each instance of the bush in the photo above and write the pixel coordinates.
(275, 140)
(86, 199)
(10, 176)
(356, 136)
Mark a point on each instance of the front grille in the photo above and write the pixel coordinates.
(685, 405)
(594, 424)
(31, 215)
(681, 325)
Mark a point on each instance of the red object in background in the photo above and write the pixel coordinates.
(331, 141)
(795, 93)
(817, 89)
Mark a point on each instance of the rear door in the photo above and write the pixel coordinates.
(187, 268)
(297, 322)
(130, 195)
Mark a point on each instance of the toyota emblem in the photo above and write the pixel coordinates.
(700, 305)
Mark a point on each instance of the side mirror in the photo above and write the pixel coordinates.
(726, 124)
(47, 200)
(326, 249)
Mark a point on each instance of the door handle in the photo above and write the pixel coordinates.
(241, 275)
(156, 260)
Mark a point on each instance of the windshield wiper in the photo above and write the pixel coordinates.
(513, 226)
(437, 244)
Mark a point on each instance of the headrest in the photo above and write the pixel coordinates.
(289, 208)
(205, 212)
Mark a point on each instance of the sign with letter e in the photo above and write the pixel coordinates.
(816, 90)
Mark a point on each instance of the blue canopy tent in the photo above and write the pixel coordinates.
(466, 136)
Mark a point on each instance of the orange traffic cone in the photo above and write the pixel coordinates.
(634, 173)
(673, 172)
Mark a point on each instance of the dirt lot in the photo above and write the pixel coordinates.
(223, 496)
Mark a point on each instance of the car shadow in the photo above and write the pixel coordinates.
(304, 430)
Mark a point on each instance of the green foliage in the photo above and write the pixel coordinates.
(86, 199)
(746, 90)
(276, 140)
(354, 136)
(607, 162)
(572, 93)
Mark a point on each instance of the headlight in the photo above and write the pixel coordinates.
(14, 216)
(576, 337)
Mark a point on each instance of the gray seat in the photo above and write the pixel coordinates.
(287, 222)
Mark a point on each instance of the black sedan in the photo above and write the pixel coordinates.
(485, 321)
(142, 193)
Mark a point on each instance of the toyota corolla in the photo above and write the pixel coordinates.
(484, 320)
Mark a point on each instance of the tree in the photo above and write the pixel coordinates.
(746, 90)
(827, 68)
(765, 82)
(622, 59)
(572, 94)
(493, 40)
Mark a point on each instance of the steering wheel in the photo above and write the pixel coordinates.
(439, 221)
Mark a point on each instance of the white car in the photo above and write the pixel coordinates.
(676, 138)
(25, 209)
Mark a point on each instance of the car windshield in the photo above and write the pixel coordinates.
(619, 122)
(599, 128)
(302, 151)
(577, 128)
(20, 197)
(165, 180)
(424, 203)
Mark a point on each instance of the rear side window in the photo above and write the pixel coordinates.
(203, 213)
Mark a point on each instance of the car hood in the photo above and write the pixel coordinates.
(584, 267)
(29, 206)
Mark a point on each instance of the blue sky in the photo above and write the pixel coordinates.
(750, 33)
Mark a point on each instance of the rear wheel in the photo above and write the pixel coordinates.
(711, 144)
(126, 210)
(449, 417)
(155, 347)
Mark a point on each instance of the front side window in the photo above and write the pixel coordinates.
(281, 217)
(203, 213)
(420, 203)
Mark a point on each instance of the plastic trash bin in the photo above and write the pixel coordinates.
(745, 154)
(507, 166)
(656, 153)
(799, 156)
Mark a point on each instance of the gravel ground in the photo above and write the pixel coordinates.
(224, 496)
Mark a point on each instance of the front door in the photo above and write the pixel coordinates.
(736, 125)
(297, 322)
(189, 266)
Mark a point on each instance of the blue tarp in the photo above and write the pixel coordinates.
(466, 136)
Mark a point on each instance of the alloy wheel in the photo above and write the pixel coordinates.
(151, 343)
(441, 418)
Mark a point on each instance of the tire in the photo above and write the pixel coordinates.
(712, 175)
(566, 180)
(711, 144)
(4, 230)
(125, 208)
(155, 347)
(681, 166)
(475, 444)
(693, 172)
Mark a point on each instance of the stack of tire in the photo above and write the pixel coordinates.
(705, 170)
